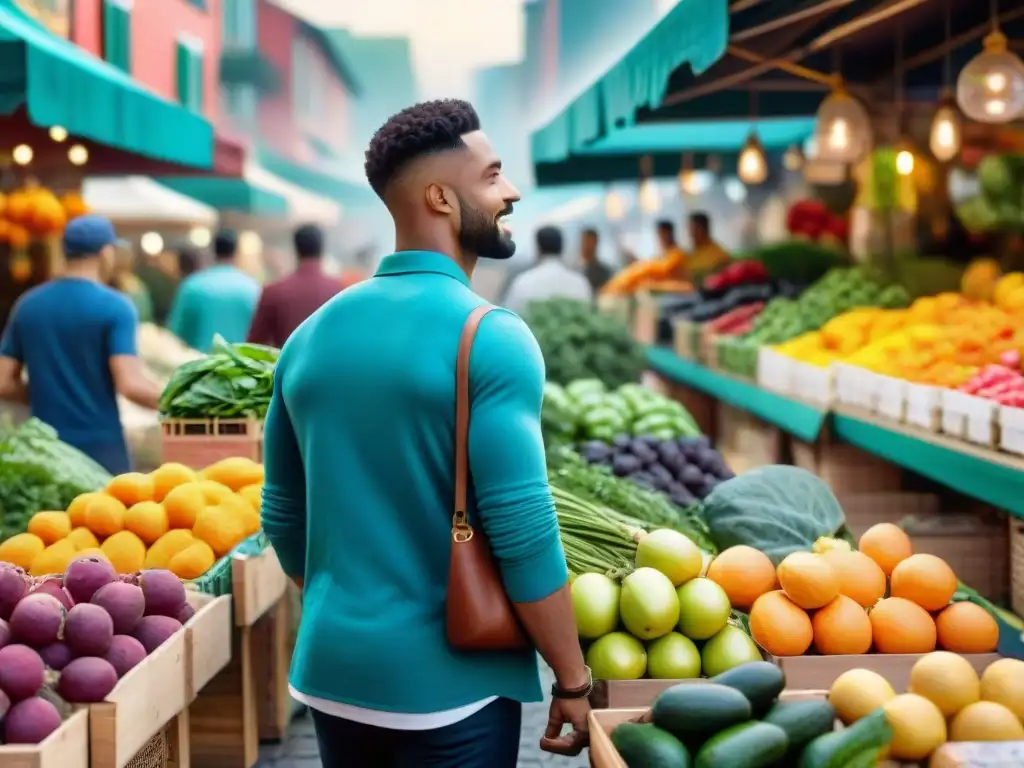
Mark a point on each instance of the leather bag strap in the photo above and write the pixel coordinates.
(461, 530)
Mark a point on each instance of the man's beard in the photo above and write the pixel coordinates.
(481, 235)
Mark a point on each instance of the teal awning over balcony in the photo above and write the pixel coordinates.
(707, 136)
(59, 84)
(334, 186)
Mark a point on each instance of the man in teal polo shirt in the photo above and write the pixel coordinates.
(359, 459)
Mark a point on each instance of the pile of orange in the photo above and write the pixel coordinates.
(881, 596)
(171, 518)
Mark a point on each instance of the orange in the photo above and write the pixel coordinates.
(886, 544)
(76, 510)
(21, 549)
(924, 579)
(860, 577)
(744, 573)
(104, 515)
(780, 626)
(214, 492)
(183, 503)
(842, 627)
(900, 626)
(125, 551)
(808, 580)
(168, 477)
(51, 527)
(147, 520)
(131, 488)
(967, 628)
(83, 538)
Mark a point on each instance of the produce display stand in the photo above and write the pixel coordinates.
(207, 640)
(819, 672)
(144, 721)
(197, 443)
(67, 747)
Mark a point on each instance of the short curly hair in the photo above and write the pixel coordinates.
(422, 129)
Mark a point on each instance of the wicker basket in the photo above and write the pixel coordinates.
(156, 754)
(198, 443)
(1017, 565)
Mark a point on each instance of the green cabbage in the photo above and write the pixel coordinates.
(776, 509)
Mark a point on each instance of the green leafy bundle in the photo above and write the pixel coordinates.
(233, 381)
(578, 342)
(39, 472)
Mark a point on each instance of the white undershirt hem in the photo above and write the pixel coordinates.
(396, 721)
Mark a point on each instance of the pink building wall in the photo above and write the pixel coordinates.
(156, 27)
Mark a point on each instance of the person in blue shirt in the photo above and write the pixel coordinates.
(359, 466)
(218, 300)
(75, 337)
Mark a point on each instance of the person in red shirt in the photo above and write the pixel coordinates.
(285, 304)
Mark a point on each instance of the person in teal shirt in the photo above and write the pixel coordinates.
(359, 479)
(220, 299)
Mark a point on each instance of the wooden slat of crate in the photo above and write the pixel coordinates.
(197, 443)
(67, 747)
(257, 584)
(224, 732)
(272, 655)
(207, 640)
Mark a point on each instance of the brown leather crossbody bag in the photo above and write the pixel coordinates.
(480, 616)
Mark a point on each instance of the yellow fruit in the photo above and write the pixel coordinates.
(1006, 285)
(254, 495)
(808, 580)
(193, 561)
(51, 527)
(125, 551)
(986, 721)
(167, 546)
(76, 510)
(131, 488)
(947, 680)
(214, 492)
(183, 504)
(147, 520)
(168, 477)
(53, 559)
(235, 473)
(83, 538)
(104, 515)
(918, 727)
(21, 549)
(979, 279)
(857, 693)
(219, 527)
(1003, 682)
(825, 544)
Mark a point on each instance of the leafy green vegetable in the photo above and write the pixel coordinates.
(38, 471)
(578, 342)
(233, 381)
(776, 509)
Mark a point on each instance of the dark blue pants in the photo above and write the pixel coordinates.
(487, 739)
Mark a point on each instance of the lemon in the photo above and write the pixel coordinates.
(857, 693)
(947, 680)
(986, 721)
(1003, 683)
(918, 727)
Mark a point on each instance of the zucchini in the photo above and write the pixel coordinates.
(648, 746)
(747, 745)
(803, 721)
(696, 711)
(840, 748)
(760, 681)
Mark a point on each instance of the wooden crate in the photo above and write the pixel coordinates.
(198, 443)
(257, 584)
(67, 747)
(819, 672)
(207, 640)
(1017, 565)
(140, 708)
(845, 468)
(745, 441)
(167, 749)
(272, 656)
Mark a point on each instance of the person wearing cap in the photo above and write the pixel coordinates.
(75, 337)
(220, 299)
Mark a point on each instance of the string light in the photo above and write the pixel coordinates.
(78, 154)
(22, 154)
(753, 166)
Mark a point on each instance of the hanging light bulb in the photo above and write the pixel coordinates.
(614, 206)
(22, 154)
(990, 89)
(904, 162)
(650, 198)
(58, 133)
(78, 154)
(753, 165)
(945, 138)
(793, 159)
(844, 129)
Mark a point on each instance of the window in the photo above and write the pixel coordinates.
(239, 27)
(308, 87)
(190, 74)
(239, 101)
(117, 33)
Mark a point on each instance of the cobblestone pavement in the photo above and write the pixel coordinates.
(299, 750)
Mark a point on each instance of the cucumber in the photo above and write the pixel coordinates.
(648, 746)
(747, 745)
(803, 721)
(695, 711)
(760, 681)
(840, 748)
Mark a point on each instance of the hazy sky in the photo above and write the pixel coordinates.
(450, 38)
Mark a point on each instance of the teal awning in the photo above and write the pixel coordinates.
(694, 32)
(58, 83)
(711, 136)
(341, 190)
(227, 194)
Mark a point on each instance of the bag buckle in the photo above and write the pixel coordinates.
(461, 530)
